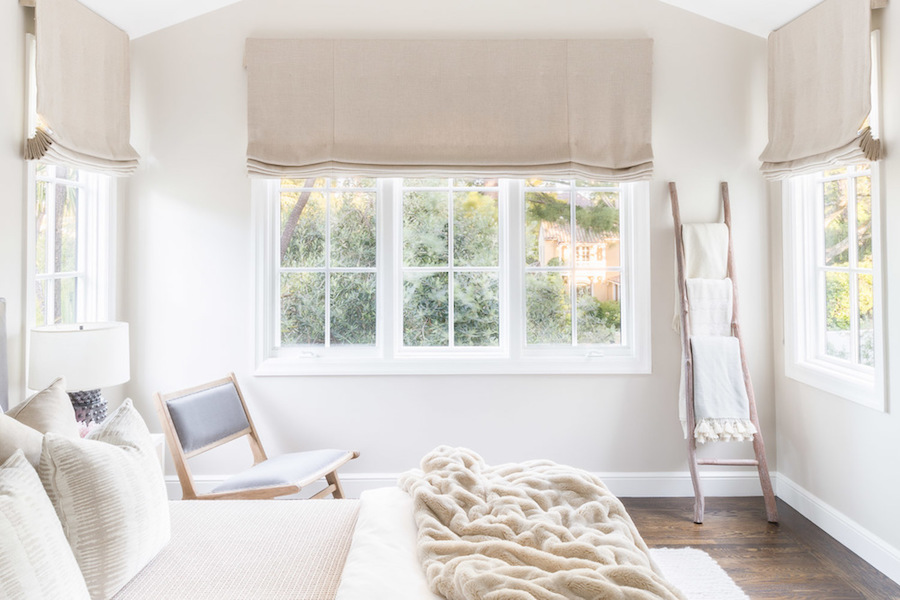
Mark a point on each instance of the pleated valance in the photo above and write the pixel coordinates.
(820, 69)
(83, 90)
(474, 107)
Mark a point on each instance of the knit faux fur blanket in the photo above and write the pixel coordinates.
(535, 530)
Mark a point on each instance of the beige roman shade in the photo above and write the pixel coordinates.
(475, 107)
(83, 90)
(820, 69)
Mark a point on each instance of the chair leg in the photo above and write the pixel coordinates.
(332, 479)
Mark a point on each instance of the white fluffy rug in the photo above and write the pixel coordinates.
(696, 574)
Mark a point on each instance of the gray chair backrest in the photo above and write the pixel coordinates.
(205, 417)
(4, 368)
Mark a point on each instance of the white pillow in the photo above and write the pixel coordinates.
(35, 558)
(18, 436)
(110, 496)
(48, 410)
(24, 425)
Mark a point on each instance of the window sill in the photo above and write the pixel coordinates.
(844, 383)
(320, 366)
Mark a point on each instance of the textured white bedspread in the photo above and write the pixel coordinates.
(248, 550)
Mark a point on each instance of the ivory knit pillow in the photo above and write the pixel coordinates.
(109, 493)
(35, 558)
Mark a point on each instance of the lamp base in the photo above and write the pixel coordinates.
(90, 406)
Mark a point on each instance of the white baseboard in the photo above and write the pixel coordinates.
(848, 532)
(627, 485)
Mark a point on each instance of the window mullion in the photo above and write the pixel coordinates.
(49, 295)
(451, 264)
(573, 245)
(327, 192)
(385, 258)
(852, 262)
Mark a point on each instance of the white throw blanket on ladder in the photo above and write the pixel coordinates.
(721, 405)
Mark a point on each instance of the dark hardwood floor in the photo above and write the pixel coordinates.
(794, 560)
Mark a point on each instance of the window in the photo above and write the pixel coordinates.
(71, 241)
(450, 271)
(327, 263)
(451, 275)
(570, 302)
(833, 283)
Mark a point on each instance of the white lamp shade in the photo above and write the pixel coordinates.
(89, 355)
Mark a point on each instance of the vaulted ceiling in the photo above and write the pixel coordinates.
(140, 17)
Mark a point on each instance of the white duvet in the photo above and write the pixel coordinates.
(382, 562)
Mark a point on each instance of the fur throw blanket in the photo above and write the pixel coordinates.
(530, 531)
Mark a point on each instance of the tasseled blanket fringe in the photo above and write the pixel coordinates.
(722, 430)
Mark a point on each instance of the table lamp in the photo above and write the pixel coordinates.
(89, 355)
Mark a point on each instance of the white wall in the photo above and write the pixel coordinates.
(188, 263)
(12, 191)
(844, 454)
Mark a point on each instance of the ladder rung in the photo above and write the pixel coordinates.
(737, 462)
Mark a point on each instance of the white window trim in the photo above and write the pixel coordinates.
(802, 359)
(632, 357)
(97, 247)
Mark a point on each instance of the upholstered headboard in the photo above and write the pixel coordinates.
(4, 373)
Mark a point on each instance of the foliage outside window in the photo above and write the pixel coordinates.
(450, 263)
(496, 272)
(328, 262)
(833, 282)
(70, 242)
(566, 219)
(846, 265)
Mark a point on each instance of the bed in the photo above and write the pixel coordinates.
(510, 531)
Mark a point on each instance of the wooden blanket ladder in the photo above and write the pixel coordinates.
(758, 445)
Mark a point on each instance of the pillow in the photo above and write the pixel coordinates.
(35, 558)
(17, 436)
(48, 410)
(109, 494)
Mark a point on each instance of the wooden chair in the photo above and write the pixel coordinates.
(206, 416)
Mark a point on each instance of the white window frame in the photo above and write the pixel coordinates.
(805, 358)
(96, 233)
(388, 357)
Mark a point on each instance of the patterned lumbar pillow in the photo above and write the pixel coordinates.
(35, 558)
(109, 493)
(48, 410)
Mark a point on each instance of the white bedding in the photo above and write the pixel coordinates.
(382, 563)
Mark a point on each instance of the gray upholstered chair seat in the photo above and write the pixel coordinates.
(300, 468)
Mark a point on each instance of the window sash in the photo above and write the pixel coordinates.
(589, 350)
(806, 359)
(95, 235)
(326, 269)
(400, 270)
